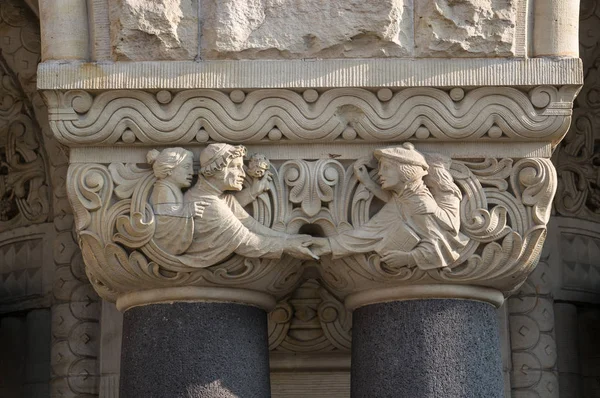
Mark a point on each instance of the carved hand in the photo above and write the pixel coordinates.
(298, 246)
(398, 259)
(321, 246)
(199, 208)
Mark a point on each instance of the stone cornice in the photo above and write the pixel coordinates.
(309, 73)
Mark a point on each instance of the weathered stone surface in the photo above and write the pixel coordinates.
(465, 28)
(154, 30)
(309, 28)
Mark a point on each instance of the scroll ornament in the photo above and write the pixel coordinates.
(194, 116)
(398, 217)
(24, 194)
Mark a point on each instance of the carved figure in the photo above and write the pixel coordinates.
(173, 167)
(225, 227)
(258, 169)
(417, 226)
(258, 165)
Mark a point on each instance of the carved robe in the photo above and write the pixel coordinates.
(174, 219)
(405, 213)
(226, 228)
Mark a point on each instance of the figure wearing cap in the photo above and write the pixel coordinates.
(411, 229)
(225, 227)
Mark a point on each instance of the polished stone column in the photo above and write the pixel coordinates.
(195, 350)
(426, 348)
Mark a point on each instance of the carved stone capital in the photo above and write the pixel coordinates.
(477, 230)
(486, 215)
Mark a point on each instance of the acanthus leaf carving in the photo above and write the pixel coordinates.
(24, 193)
(483, 222)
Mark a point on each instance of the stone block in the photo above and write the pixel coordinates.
(154, 30)
(465, 28)
(242, 29)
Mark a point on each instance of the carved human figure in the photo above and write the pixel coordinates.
(173, 168)
(225, 227)
(415, 227)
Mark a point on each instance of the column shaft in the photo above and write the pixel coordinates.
(427, 349)
(195, 350)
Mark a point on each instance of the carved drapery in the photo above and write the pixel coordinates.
(505, 199)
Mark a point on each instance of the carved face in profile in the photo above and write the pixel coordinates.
(389, 176)
(182, 174)
(231, 178)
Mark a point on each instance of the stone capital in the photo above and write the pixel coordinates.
(320, 141)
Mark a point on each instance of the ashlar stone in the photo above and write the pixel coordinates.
(465, 28)
(154, 30)
(249, 29)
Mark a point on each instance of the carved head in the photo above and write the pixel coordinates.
(258, 165)
(172, 164)
(223, 166)
(399, 166)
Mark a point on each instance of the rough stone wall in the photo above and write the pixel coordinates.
(154, 30)
(286, 29)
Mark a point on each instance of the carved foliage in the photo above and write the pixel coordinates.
(75, 309)
(23, 181)
(116, 224)
(577, 157)
(80, 118)
(504, 212)
(20, 42)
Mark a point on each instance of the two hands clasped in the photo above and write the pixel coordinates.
(306, 247)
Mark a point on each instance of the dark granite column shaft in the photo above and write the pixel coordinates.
(426, 349)
(195, 350)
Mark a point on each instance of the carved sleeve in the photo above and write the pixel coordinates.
(438, 247)
(249, 221)
(220, 233)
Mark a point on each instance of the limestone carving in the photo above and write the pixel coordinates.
(24, 196)
(310, 321)
(503, 209)
(438, 221)
(154, 235)
(414, 228)
(74, 304)
(576, 159)
(532, 338)
(346, 114)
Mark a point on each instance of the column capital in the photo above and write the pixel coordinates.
(460, 210)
